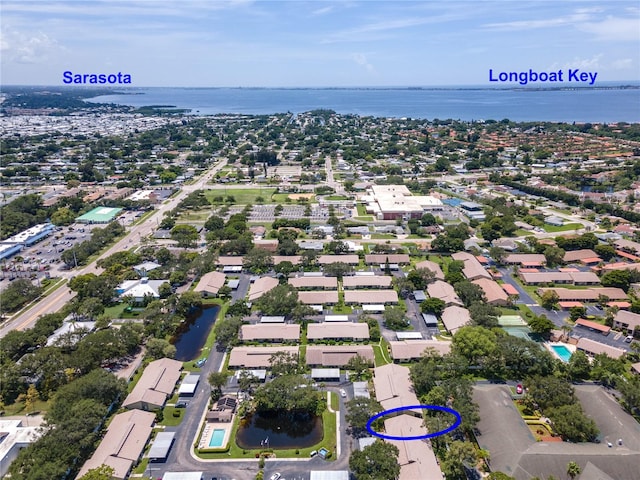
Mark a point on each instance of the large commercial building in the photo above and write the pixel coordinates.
(389, 202)
(99, 215)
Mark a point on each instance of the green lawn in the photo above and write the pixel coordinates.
(335, 401)
(242, 196)
(380, 353)
(337, 197)
(362, 210)
(169, 420)
(342, 310)
(564, 228)
(18, 408)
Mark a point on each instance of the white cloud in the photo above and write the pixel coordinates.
(622, 64)
(361, 59)
(22, 48)
(536, 24)
(323, 10)
(614, 29)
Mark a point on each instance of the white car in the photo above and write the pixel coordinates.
(343, 394)
(275, 476)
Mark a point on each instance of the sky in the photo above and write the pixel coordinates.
(243, 43)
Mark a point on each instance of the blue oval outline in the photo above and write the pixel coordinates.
(453, 412)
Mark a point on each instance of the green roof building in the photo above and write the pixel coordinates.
(99, 215)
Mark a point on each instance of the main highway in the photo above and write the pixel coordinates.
(57, 299)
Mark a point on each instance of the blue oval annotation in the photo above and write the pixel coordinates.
(451, 411)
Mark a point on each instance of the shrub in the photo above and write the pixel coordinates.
(261, 462)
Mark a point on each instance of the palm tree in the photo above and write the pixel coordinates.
(573, 470)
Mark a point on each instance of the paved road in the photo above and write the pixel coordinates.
(63, 295)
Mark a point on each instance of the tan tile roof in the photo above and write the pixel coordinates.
(329, 297)
(266, 331)
(211, 282)
(320, 331)
(255, 357)
(337, 355)
(370, 296)
(156, 383)
(366, 281)
(314, 282)
(262, 286)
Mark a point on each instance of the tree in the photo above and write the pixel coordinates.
(499, 476)
(258, 261)
(246, 381)
(160, 348)
(498, 254)
(359, 365)
(30, 398)
(217, 380)
(579, 367)
(433, 305)
(226, 331)
(214, 223)
(285, 363)
(617, 278)
(571, 423)
(289, 395)
(359, 411)
(577, 312)
(103, 472)
(630, 391)
(285, 268)
(549, 391)
(573, 470)
(553, 255)
(549, 299)
(63, 216)
(337, 269)
(378, 461)
(476, 344)
(421, 277)
(394, 318)
(484, 315)
(18, 293)
(606, 252)
(606, 369)
(185, 235)
(459, 455)
(280, 300)
(541, 324)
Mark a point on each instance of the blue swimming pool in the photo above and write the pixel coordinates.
(217, 437)
(563, 352)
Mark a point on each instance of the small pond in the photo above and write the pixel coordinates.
(192, 334)
(281, 430)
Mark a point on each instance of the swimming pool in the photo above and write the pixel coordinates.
(563, 352)
(217, 437)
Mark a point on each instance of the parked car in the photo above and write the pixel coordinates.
(343, 393)
(519, 389)
(275, 476)
(181, 404)
(199, 363)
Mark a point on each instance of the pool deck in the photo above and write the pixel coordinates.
(209, 427)
(548, 345)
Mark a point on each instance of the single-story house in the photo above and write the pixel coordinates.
(585, 256)
(370, 296)
(123, 443)
(455, 317)
(432, 267)
(368, 281)
(626, 320)
(586, 295)
(256, 357)
(417, 460)
(338, 331)
(270, 332)
(314, 282)
(210, 284)
(261, 286)
(494, 293)
(382, 259)
(337, 355)
(444, 292)
(348, 259)
(473, 269)
(325, 297)
(155, 385)
(525, 259)
(408, 350)
(393, 387)
(591, 348)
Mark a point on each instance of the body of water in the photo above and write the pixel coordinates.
(193, 333)
(595, 105)
(563, 352)
(281, 431)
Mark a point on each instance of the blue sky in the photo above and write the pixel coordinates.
(316, 43)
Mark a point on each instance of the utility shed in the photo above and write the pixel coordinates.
(161, 446)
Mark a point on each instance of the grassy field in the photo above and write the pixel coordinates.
(169, 420)
(242, 196)
(564, 228)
